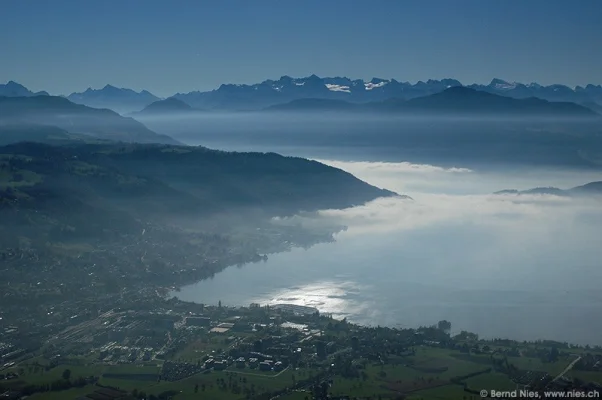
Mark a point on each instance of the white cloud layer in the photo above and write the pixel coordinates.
(390, 167)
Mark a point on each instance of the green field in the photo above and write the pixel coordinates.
(18, 178)
(426, 375)
(64, 394)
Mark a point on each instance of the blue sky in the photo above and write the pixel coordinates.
(178, 46)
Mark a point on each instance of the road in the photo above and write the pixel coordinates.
(262, 375)
(567, 369)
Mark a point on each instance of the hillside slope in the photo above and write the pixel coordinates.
(98, 189)
(76, 118)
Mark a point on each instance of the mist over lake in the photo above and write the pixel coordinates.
(477, 142)
(523, 267)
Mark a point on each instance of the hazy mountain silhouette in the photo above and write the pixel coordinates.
(592, 188)
(168, 106)
(556, 92)
(14, 89)
(589, 188)
(452, 101)
(76, 118)
(117, 99)
(593, 106)
(465, 100)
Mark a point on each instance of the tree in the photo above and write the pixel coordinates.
(444, 325)
(554, 354)
(66, 374)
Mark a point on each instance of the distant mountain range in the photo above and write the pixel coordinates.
(286, 89)
(457, 100)
(47, 112)
(117, 99)
(592, 188)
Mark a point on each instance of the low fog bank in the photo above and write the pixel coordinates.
(456, 216)
(524, 267)
(413, 179)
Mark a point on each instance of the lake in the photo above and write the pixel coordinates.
(523, 267)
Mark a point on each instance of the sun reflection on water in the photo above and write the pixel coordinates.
(341, 299)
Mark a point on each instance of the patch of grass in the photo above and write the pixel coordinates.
(128, 377)
(535, 364)
(449, 392)
(357, 387)
(42, 376)
(212, 390)
(18, 178)
(431, 357)
(587, 376)
(493, 380)
(297, 396)
(70, 394)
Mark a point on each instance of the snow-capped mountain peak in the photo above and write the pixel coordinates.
(501, 84)
(337, 88)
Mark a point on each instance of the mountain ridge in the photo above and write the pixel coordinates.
(121, 100)
(451, 101)
(286, 88)
(591, 188)
(14, 89)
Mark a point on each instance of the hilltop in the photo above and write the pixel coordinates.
(170, 106)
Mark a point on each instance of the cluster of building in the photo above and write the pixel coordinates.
(174, 371)
(9, 352)
(114, 353)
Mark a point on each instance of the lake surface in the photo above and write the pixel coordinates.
(524, 267)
